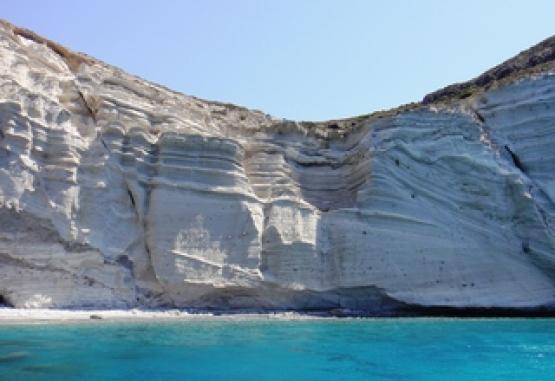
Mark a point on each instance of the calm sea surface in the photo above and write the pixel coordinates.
(380, 349)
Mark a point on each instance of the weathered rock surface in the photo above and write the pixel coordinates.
(116, 192)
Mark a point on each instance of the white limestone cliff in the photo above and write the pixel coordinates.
(116, 192)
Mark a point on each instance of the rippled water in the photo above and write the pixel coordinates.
(380, 349)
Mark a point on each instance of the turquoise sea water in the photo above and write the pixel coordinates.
(373, 349)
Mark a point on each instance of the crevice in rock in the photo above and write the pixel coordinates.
(526, 246)
(516, 159)
(131, 198)
(105, 145)
(145, 294)
(479, 116)
(90, 109)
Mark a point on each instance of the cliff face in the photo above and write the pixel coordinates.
(115, 192)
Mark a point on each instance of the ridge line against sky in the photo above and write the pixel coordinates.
(302, 60)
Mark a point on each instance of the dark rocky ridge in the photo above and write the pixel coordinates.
(536, 59)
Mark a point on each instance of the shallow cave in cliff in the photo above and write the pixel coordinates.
(4, 302)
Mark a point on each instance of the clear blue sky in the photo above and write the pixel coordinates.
(308, 60)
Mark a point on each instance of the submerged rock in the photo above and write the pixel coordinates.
(116, 192)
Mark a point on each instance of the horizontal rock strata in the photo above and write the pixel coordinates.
(116, 192)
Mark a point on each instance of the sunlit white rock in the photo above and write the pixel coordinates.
(115, 192)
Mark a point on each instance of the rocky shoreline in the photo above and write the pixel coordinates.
(10, 316)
